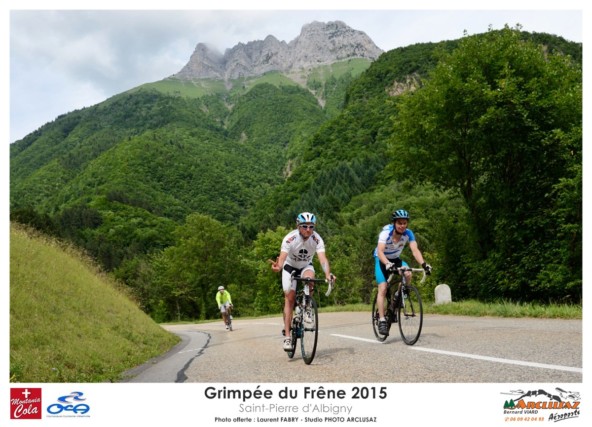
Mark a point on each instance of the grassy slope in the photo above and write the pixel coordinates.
(69, 323)
(202, 87)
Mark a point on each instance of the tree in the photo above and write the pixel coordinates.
(190, 271)
(496, 120)
(268, 292)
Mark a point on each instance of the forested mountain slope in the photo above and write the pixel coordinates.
(168, 189)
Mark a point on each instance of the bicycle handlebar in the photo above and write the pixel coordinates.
(413, 270)
(309, 280)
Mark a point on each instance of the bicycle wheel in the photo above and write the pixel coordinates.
(294, 333)
(410, 314)
(376, 317)
(310, 331)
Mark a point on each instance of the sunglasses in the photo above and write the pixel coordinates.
(307, 227)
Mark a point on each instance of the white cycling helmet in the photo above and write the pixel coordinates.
(220, 288)
(306, 217)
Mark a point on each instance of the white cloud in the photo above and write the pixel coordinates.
(65, 60)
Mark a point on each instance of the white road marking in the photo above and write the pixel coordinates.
(475, 356)
(357, 338)
(499, 360)
(191, 350)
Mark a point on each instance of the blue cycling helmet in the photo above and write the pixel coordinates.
(400, 214)
(306, 217)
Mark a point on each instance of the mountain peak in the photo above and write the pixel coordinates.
(318, 43)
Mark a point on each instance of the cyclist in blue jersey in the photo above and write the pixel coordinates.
(391, 242)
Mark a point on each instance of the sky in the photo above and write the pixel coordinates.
(62, 60)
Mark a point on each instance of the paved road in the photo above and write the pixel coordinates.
(451, 349)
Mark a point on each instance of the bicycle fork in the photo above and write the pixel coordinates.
(297, 319)
(299, 310)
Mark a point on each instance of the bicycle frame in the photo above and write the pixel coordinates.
(402, 283)
(305, 305)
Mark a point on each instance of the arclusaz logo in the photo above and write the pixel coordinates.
(542, 405)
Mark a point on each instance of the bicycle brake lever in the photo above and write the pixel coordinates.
(330, 288)
(423, 278)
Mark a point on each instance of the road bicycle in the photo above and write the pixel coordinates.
(229, 317)
(402, 305)
(305, 319)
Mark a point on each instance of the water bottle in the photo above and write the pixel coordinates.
(298, 312)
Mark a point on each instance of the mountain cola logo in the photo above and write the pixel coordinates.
(541, 405)
(25, 403)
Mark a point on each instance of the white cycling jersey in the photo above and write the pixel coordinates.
(300, 252)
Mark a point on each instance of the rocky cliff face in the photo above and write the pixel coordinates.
(318, 43)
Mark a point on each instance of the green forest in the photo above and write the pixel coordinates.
(174, 191)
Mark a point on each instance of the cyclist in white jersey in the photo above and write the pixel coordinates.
(391, 242)
(296, 254)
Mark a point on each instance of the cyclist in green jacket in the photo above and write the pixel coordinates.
(224, 303)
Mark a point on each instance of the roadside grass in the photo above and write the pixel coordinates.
(68, 321)
(479, 309)
(506, 309)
